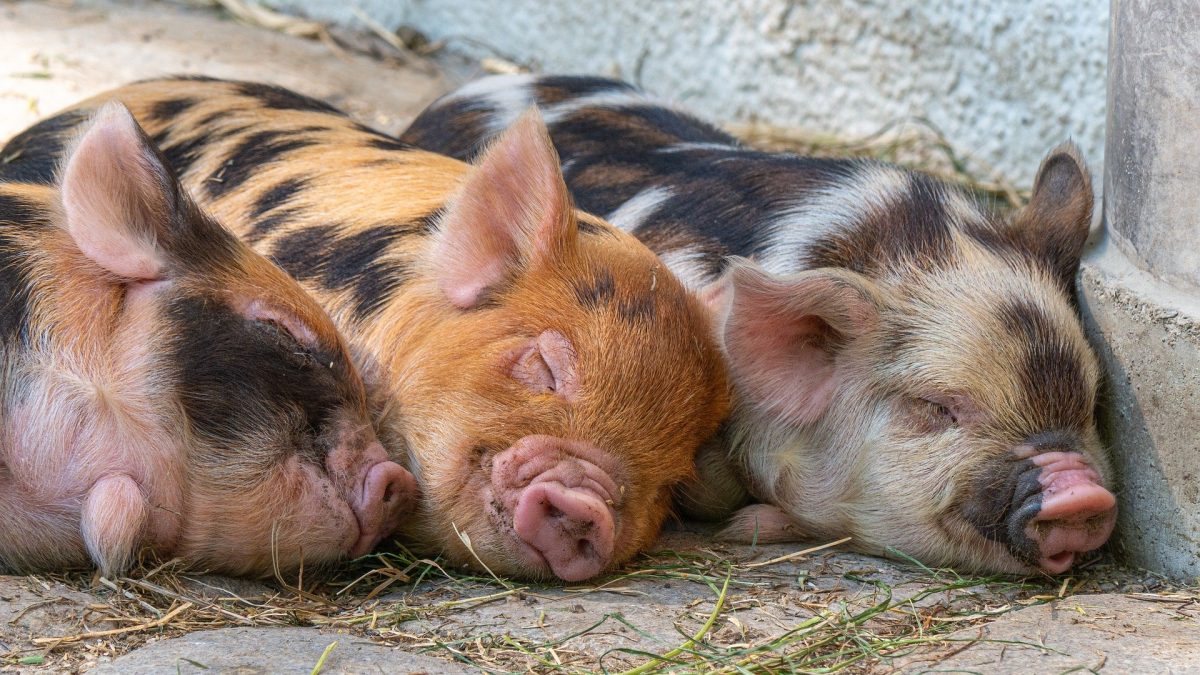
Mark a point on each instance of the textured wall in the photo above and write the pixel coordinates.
(1005, 80)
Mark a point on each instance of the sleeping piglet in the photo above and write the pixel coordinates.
(166, 388)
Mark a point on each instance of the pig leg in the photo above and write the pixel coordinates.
(762, 524)
(113, 520)
(716, 491)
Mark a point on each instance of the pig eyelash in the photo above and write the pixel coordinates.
(945, 416)
(290, 341)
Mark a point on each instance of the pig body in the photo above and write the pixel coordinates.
(542, 375)
(165, 388)
(909, 368)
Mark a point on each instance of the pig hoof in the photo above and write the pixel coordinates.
(571, 528)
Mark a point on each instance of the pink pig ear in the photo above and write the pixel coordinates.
(117, 196)
(783, 334)
(512, 210)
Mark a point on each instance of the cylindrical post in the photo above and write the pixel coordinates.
(1152, 159)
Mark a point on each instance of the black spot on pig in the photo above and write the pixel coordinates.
(389, 144)
(242, 381)
(304, 252)
(597, 291)
(212, 118)
(181, 154)
(590, 227)
(266, 225)
(457, 129)
(278, 98)
(15, 214)
(361, 263)
(558, 88)
(277, 196)
(1052, 374)
(167, 110)
(358, 262)
(33, 155)
(253, 152)
(637, 310)
(910, 226)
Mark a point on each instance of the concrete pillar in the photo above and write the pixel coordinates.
(1140, 286)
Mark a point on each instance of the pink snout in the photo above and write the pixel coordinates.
(1077, 514)
(571, 527)
(378, 491)
(560, 503)
(388, 492)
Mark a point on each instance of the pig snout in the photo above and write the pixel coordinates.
(378, 491)
(1071, 512)
(1059, 508)
(560, 503)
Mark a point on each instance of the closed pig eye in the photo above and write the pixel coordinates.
(287, 340)
(531, 370)
(942, 413)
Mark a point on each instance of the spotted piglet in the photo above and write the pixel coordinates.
(542, 374)
(165, 388)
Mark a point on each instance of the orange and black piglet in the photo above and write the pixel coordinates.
(166, 388)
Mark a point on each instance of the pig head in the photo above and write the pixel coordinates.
(564, 391)
(943, 408)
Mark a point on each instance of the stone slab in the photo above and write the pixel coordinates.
(1085, 633)
(251, 651)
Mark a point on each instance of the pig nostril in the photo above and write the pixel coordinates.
(389, 493)
(554, 512)
(585, 549)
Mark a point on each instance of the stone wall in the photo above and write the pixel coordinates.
(1004, 80)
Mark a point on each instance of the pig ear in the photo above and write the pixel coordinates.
(118, 197)
(512, 210)
(783, 334)
(1054, 225)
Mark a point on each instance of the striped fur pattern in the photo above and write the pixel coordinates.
(366, 224)
(164, 389)
(891, 341)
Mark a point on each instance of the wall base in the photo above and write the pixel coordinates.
(1148, 338)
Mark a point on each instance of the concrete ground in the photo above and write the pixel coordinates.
(692, 605)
